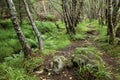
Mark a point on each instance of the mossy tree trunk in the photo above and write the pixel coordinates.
(26, 48)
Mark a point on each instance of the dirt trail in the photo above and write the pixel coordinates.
(68, 74)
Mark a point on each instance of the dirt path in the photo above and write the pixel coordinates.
(69, 74)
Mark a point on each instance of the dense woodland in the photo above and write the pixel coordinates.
(59, 40)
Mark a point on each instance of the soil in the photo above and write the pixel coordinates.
(68, 51)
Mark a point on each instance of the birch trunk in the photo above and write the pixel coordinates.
(40, 42)
(26, 48)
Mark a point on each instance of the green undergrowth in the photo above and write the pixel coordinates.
(52, 37)
(114, 51)
(13, 66)
(81, 30)
(102, 41)
(102, 31)
(88, 48)
(8, 42)
(16, 68)
(90, 64)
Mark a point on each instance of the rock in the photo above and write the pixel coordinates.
(84, 57)
(58, 64)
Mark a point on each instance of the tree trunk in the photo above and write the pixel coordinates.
(71, 13)
(110, 23)
(115, 12)
(26, 48)
(40, 42)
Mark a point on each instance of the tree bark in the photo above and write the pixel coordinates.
(71, 13)
(40, 42)
(26, 48)
(110, 23)
(115, 12)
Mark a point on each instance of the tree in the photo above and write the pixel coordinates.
(40, 42)
(110, 23)
(26, 48)
(116, 6)
(71, 13)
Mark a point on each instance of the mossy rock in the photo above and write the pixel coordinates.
(88, 61)
(86, 56)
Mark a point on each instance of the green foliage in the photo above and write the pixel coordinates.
(81, 30)
(8, 40)
(113, 50)
(87, 49)
(4, 52)
(46, 27)
(33, 43)
(59, 41)
(88, 71)
(18, 74)
(30, 64)
(7, 33)
(16, 60)
(5, 23)
(102, 33)
(9, 47)
(90, 64)
(117, 76)
(53, 39)
(14, 68)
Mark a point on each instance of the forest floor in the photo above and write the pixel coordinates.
(69, 73)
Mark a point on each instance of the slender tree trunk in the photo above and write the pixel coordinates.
(110, 23)
(40, 42)
(106, 11)
(26, 48)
